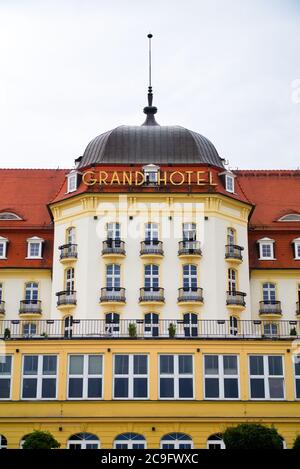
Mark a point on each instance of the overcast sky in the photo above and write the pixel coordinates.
(72, 69)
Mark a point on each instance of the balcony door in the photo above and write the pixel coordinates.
(112, 324)
(69, 279)
(232, 280)
(269, 293)
(151, 275)
(31, 292)
(152, 324)
(151, 232)
(189, 231)
(190, 281)
(113, 231)
(70, 235)
(190, 324)
(113, 277)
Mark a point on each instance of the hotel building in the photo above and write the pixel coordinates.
(149, 296)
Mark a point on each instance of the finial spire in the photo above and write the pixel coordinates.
(150, 110)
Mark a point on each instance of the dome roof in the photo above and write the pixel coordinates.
(150, 144)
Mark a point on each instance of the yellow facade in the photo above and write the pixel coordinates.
(153, 418)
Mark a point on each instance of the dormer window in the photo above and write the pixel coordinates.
(34, 248)
(266, 249)
(151, 173)
(72, 181)
(9, 216)
(228, 180)
(290, 217)
(3, 247)
(296, 243)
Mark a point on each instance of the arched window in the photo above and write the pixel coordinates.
(69, 279)
(9, 216)
(232, 280)
(151, 277)
(176, 441)
(31, 292)
(112, 324)
(71, 235)
(83, 441)
(22, 441)
(152, 324)
(130, 441)
(3, 442)
(215, 442)
(190, 280)
(190, 324)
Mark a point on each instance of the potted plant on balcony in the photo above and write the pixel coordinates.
(132, 330)
(6, 335)
(293, 331)
(172, 330)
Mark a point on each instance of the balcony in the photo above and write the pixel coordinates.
(111, 295)
(270, 307)
(233, 253)
(2, 307)
(113, 248)
(66, 299)
(298, 308)
(189, 249)
(153, 295)
(151, 248)
(30, 307)
(68, 253)
(236, 299)
(192, 296)
(204, 329)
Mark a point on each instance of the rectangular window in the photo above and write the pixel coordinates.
(266, 377)
(297, 250)
(297, 376)
(176, 379)
(34, 250)
(1, 292)
(221, 376)
(131, 377)
(229, 183)
(5, 376)
(85, 379)
(72, 182)
(3, 245)
(39, 377)
(266, 250)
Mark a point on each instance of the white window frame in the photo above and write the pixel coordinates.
(11, 216)
(114, 277)
(189, 231)
(130, 376)
(190, 278)
(72, 181)
(221, 376)
(296, 243)
(130, 442)
(7, 376)
(85, 376)
(39, 376)
(3, 243)
(176, 376)
(151, 278)
(297, 376)
(176, 442)
(83, 443)
(70, 280)
(71, 235)
(266, 377)
(32, 241)
(113, 230)
(229, 183)
(270, 244)
(151, 171)
(151, 231)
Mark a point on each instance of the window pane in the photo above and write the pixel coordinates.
(297, 388)
(275, 365)
(49, 388)
(140, 387)
(95, 365)
(276, 388)
(230, 365)
(166, 387)
(76, 365)
(30, 365)
(211, 364)
(185, 363)
(185, 387)
(5, 365)
(121, 364)
(29, 387)
(257, 388)
(212, 387)
(297, 366)
(121, 387)
(231, 389)
(49, 365)
(140, 364)
(75, 387)
(166, 364)
(94, 387)
(4, 388)
(256, 365)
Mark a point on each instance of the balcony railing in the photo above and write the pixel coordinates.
(30, 307)
(190, 294)
(112, 294)
(113, 246)
(152, 246)
(152, 294)
(2, 307)
(68, 251)
(65, 298)
(270, 307)
(233, 252)
(298, 308)
(203, 329)
(189, 248)
(236, 298)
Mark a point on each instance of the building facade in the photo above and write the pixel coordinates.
(149, 297)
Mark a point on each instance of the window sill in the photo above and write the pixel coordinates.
(33, 258)
(267, 259)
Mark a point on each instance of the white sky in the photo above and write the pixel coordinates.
(70, 70)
